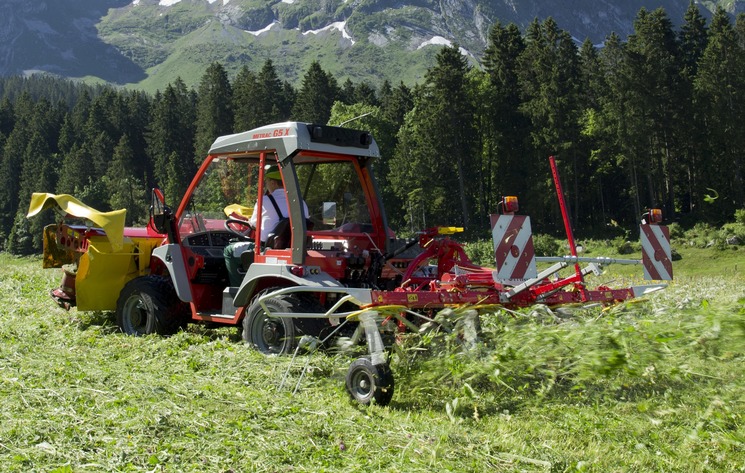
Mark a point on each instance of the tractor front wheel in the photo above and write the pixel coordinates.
(367, 382)
(269, 334)
(149, 305)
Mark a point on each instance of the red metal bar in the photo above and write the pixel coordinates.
(435, 300)
(565, 214)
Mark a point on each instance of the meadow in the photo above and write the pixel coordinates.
(654, 384)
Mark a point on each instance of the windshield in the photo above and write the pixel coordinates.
(335, 198)
(332, 191)
(227, 184)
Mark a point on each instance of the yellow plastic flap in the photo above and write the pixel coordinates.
(239, 209)
(111, 222)
(449, 230)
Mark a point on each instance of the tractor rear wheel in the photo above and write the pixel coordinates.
(269, 334)
(367, 382)
(148, 305)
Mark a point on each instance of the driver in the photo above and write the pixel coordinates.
(274, 209)
(275, 203)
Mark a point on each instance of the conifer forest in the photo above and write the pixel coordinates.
(655, 120)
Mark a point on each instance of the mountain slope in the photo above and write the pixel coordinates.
(148, 43)
(61, 37)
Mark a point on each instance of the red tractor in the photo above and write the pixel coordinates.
(337, 270)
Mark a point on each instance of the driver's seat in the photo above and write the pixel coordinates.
(279, 237)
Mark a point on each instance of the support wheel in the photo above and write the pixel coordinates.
(268, 334)
(366, 382)
(149, 305)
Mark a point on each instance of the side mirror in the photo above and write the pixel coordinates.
(158, 211)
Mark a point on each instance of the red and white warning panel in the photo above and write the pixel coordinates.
(656, 253)
(513, 248)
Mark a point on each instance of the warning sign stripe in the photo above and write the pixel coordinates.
(523, 264)
(514, 252)
(508, 239)
(656, 252)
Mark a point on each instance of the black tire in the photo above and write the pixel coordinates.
(271, 335)
(367, 382)
(148, 305)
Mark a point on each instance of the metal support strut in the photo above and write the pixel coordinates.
(369, 320)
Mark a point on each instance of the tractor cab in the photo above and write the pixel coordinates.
(331, 225)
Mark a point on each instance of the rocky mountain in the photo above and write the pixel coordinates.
(149, 43)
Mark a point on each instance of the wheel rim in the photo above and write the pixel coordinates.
(134, 315)
(271, 335)
(362, 385)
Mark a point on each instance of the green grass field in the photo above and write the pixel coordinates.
(650, 385)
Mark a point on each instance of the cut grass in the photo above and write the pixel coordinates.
(653, 385)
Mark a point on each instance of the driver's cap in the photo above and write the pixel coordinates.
(271, 171)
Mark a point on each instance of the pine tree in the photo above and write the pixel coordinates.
(548, 74)
(346, 92)
(481, 95)
(245, 96)
(385, 92)
(36, 175)
(614, 158)
(137, 108)
(316, 96)
(365, 94)
(6, 117)
(503, 128)
(171, 132)
(260, 99)
(178, 179)
(275, 103)
(421, 200)
(597, 138)
(12, 161)
(74, 123)
(442, 119)
(289, 97)
(127, 191)
(692, 38)
(453, 120)
(720, 92)
(20, 239)
(214, 109)
(102, 129)
(740, 30)
(654, 74)
(396, 104)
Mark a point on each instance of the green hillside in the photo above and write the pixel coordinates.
(291, 53)
(124, 42)
(380, 39)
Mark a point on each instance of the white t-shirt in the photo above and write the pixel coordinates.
(269, 217)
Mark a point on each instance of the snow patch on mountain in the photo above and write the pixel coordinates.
(264, 29)
(440, 41)
(168, 3)
(436, 40)
(339, 25)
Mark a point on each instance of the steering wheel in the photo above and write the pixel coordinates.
(244, 235)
